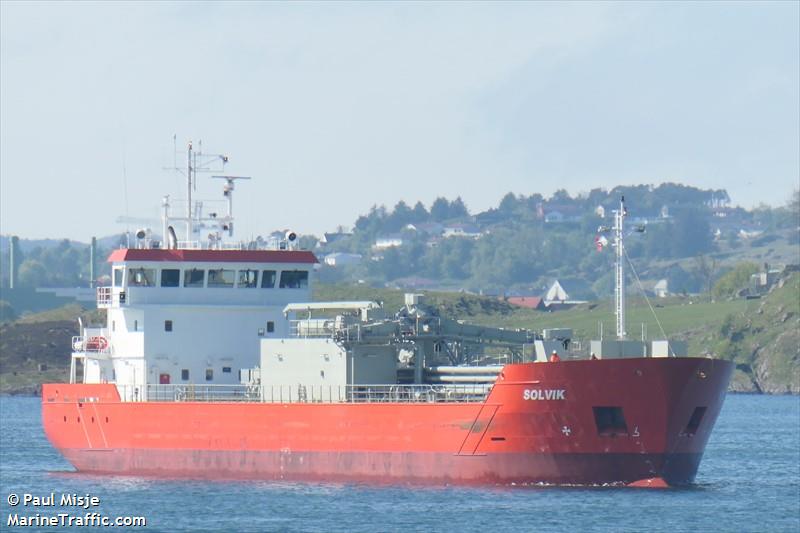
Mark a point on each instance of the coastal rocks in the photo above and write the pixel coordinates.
(742, 382)
(777, 367)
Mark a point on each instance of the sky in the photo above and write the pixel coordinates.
(332, 108)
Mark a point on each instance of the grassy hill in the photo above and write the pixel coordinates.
(35, 349)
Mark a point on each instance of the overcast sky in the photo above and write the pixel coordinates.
(334, 107)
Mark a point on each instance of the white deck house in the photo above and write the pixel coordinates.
(177, 316)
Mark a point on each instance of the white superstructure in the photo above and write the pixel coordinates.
(190, 316)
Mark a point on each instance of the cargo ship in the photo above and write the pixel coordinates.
(214, 362)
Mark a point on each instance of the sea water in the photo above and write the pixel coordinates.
(749, 480)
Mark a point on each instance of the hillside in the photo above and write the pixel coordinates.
(763, 340)
(36, 348)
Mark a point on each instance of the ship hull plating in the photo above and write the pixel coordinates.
(541, 423)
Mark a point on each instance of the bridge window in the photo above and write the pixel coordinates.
(270, 326)
(168, 325)
(221, 278)
(268, 279)
(294, 279)
(209, 374)
(118, 277)
(226, 370)
(185, 374)
(194, 277)
(248, 278)
(170, 277)
(141, 277)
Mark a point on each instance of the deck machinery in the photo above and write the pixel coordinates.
(338, 345)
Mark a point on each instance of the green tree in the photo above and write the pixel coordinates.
(730, 283)
(458, 209)
(440, 209)
(32, 273)
(691, 234)
(508, 204)
(7, 313)
(420, 214)
(401, 215)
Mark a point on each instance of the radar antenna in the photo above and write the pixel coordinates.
(196, 161)
(227, 192)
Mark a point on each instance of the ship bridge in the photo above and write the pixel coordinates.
(189, 315)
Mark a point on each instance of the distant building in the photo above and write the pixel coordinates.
(762, 282)
(556, 293)
(749, 234)
(342, 259)
(529, 302)
(661, 289)
(388, 241)
(557, 296)
(462, 230)
(429, 228)
(554, 216)
(330, 238)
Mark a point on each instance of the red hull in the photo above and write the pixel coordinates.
(508, 439)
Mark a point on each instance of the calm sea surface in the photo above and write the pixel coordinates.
(749, 480)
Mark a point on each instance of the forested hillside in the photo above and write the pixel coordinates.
(689, 237)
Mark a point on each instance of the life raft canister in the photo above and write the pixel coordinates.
(97, 343)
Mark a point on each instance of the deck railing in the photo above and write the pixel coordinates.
(471, 393)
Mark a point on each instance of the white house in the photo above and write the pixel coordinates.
(556, 293)
(462, 230)
(389, 241)
(661, 289)
(342, 259)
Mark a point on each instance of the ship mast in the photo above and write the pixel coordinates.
(189, 175)
(197, 161)
(619, 267)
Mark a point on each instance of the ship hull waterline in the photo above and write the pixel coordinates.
(521, 434)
